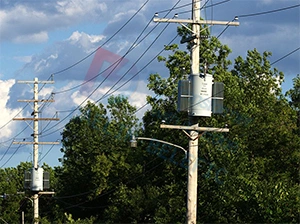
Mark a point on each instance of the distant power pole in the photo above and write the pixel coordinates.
(37, 172)
(196, 83)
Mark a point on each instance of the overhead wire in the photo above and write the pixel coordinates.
(245, 15)
(205, 7)
(257, 14)
(114, 65)
(135, 64)
(288, 54)
(6, 150)
(12, 139)
(10, 156)
(267, 12)
(20, 110)
(83, 59)
(178, 7)
(93, 92)
(73, 65)
(116, 181)
(136, 74)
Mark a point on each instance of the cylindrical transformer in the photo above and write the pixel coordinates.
(201, 90)
(37, 179)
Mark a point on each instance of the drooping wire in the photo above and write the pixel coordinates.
(17, 115)
(117, 62)
(46, 154)
(267, 12)
(258, 14)
(123, 84)
(11, 156)
(135, 64)
(288, 54)
(174, 8)
(78, 62)
(205, 7)
(51, 76)
(6, 150)
(90, 94)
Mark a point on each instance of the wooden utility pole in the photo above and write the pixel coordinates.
(37, 173)
(194, 112)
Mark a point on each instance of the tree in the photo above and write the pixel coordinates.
(294, 95)
(96, 156)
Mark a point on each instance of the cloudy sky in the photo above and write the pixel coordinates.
(78, 42)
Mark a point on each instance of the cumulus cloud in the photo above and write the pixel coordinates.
(32, 38)
(7, 113)
(24, 23)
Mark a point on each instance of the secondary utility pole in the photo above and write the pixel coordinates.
(195, 111)
(37, 172)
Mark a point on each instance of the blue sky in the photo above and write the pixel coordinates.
(40, 38)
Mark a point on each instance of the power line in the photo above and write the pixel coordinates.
(288, 54)
(258, 14)
(178, 7)
(136, 63)
(116, 63)
(11, 156)
(267, 12)
(78, 62)
(69, 67)
(106, 94)
(96, 89)
(205, 7)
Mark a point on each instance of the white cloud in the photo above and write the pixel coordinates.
(22, 23)
(6, 113)
(80, 7)
(25, 59)
(32, 38)
(86, 41)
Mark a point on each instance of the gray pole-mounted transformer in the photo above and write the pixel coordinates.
(199, 96)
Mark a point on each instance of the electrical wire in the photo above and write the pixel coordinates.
(123, 84)
(11, 156)
(41, 159)
(288, 54)
(106, 94)
(179, 7)
(135, 64)
(73, 65)
(205, 7)
(253, 14)
(267, 12)
(257, 14)
(6, 150)
(91, 93)
(78, 62)
(20, 111)
(116, 63)
(83, 59)
(227, 25)
(112, 190)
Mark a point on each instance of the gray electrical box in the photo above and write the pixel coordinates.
(184, 87)
(217, 98)
(27, 180)
(46, 180)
